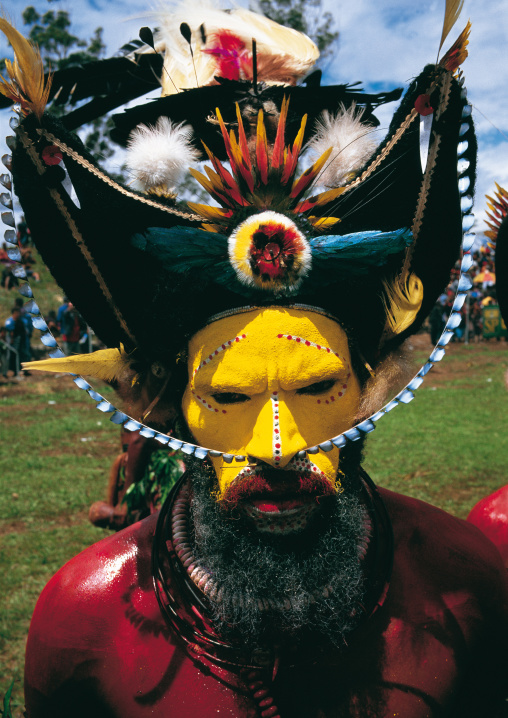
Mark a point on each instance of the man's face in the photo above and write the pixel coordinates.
(265, 385)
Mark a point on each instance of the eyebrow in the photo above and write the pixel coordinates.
(308, 343)
(217, 351)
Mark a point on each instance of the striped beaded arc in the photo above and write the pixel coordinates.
(403, 397)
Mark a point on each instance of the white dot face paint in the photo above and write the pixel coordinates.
(229, 343)
(276, 439)
(340, 390)
(267, 394)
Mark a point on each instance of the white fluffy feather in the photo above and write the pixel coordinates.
(159, 155)
(352, 143)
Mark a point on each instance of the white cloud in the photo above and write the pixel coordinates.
(388, 43)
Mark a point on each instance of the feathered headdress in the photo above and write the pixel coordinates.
(367, 235)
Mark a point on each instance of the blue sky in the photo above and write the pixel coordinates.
(382, 43)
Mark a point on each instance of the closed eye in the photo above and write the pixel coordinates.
(230, 397)
(319, 387)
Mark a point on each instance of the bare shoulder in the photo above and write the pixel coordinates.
(102, 569)
(78, 619)
(83, 603)
(449, 551)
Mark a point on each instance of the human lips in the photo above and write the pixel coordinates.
(273, 506)
(276, 491)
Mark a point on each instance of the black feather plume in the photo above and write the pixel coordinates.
(186, 32)
(146, 35)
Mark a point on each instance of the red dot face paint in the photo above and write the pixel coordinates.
(270, 420)
(276, 441)
(212, 357)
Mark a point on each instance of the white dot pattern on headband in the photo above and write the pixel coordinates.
(276, 440)
(217, 351)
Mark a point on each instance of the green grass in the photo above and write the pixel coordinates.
(447, 447)
(48, 479)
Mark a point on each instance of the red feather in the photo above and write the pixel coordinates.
(262, 149)
(230, 53)
(278, 147)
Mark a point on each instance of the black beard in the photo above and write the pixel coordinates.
(281, 589)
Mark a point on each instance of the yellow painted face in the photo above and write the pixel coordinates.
(266, 384)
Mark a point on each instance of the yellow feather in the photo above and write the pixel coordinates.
(203, 181)
(105, 364)
(453, 9)
(457, 53)
(207, 211)
(261, 129)
(297, 145)
(402, 301)
(214, 178)
(26, 84)
(323, 223)
(320, 199)
(328, 196)
(501, 190)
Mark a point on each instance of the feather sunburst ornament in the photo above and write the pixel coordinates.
(264, 179)
(268, 251)
(498, 206)
(26, 85)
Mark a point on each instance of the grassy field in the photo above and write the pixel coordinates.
(54, 458)
(447, 447)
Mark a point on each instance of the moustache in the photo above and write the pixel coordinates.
(275, 483)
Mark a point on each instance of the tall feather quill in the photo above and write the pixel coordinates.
(452, 11)
(26, 84)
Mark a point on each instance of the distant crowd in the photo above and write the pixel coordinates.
(65, 323)
(480, 315)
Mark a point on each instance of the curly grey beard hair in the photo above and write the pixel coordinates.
(280, 589)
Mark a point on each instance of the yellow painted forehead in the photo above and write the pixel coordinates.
(270, 337)
(266, 384)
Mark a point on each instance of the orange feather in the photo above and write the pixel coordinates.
(26, 84)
